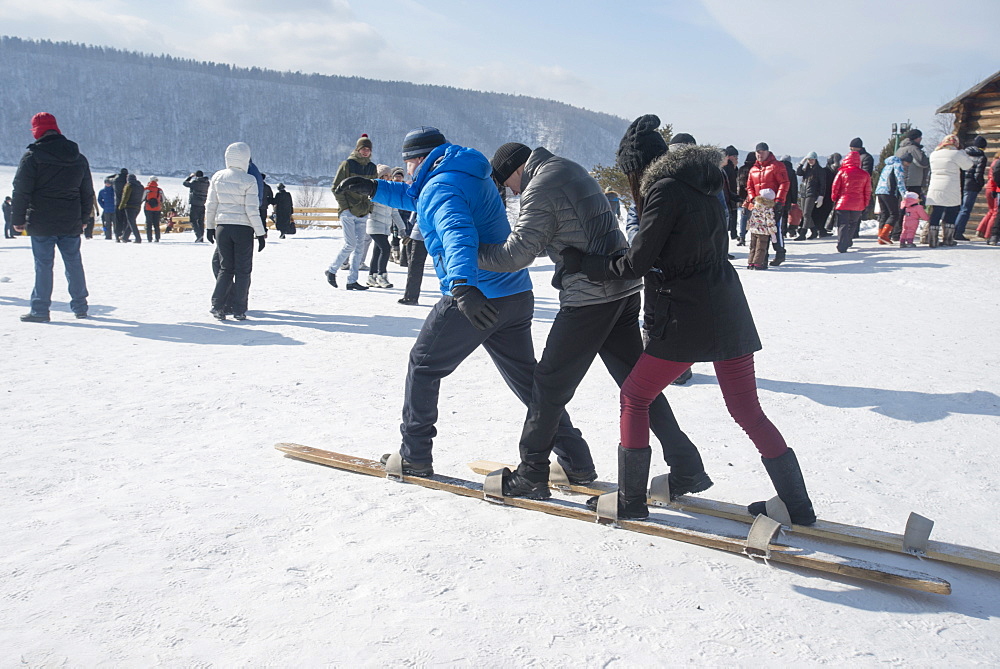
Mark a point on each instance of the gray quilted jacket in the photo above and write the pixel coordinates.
(561, 206)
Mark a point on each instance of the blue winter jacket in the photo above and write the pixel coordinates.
(255, 173)
(892, 164)
(459, 208)
(106, 198)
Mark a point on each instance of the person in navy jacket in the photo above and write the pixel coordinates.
(106, 199)
(459, 208)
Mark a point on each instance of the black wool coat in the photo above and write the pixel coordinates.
(700, 313)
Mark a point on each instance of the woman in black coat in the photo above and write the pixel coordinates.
(700, 313)
(283, 212)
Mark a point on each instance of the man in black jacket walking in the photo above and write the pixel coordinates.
(53, 195)
(972, 183)
(198, 183)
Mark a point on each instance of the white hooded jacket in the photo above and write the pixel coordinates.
(945, 188)
(232, 193)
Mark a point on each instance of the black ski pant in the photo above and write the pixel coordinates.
(578, 335)
(121, 223)
(108, 221)
(131, 226)
(848, 223)
(445, 340)
(196, 217)
(415, 269)
(380, 256)
(888, 213)
(152, 225)
(88, 227)
(234, 248)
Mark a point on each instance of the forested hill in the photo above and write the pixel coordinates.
(164, 115)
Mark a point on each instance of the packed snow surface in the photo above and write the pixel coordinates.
(147, 519)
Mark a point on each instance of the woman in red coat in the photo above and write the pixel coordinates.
(991, 200)
(852, 189)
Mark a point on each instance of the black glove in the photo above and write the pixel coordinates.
(474, 306)
(260, 243)
(572, 259)
(210, 235)
(359, 185)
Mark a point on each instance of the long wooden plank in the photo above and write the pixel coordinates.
(823, 529)
(800, 557)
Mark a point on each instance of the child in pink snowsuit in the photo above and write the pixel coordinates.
(913, 213)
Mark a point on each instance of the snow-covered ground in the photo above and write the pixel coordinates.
(148, 520)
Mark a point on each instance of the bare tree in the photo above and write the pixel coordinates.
(310, 195)
(943, 125)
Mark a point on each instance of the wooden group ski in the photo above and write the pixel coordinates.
(800, 557)
(823, 529)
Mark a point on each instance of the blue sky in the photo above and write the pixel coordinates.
(799, 76)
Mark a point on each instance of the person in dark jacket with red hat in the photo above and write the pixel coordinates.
(53, 195)
(700, 311)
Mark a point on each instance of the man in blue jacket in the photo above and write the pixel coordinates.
(459, 208)
(106, 198)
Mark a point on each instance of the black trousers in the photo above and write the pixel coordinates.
(108, 221)
(131, 226)
(234, 248)
(380, 256)
(197, 219)
(888, 213)
(152, 225)
(121, 223)
(88, 227)
(415, 269)
(445, 340)
(578, 335)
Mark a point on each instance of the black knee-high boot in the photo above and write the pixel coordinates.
(633, 478)
(788, 482)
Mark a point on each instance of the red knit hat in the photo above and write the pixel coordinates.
(41, 123)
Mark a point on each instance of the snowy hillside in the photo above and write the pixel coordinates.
(148, 521)
(163, 115)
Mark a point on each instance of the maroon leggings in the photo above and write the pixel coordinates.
(739, 388)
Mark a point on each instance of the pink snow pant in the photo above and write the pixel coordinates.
(739, 389)
(910, 225)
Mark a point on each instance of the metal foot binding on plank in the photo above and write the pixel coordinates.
(394, 467)
(762, 533)
(777, 510)
(557, 476)
(917, 533)
(607, 508)
(493, 486)
(659, 490)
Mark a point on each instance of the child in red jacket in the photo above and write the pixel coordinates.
(913, 213)
(852, 189)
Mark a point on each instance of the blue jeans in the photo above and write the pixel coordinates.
(44, 250)
(969, 198)
(744, 217)
(355, 245)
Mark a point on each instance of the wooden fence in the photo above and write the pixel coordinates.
(304, 217)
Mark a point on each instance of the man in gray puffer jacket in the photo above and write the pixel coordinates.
(562, 206)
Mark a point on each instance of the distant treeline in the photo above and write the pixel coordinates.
(166, 115)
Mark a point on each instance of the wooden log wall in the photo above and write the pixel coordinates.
(979, 114)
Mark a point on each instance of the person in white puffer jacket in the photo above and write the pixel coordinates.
(232, 220)
(944, 193)
(378, 227)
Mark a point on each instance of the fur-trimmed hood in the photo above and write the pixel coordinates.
(695, 165)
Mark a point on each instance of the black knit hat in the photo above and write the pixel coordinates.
(731, 151)
(682, 138)
(507, 159)
(199, 173)
(641, 144)
(421, 141)
(914, 134)
(762, 146)
(856, 143)
(979, 142)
